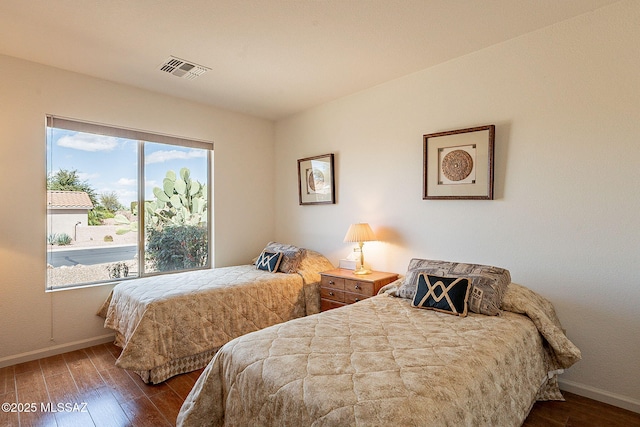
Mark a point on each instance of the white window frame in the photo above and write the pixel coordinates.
(142, 137)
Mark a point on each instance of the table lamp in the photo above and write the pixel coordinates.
(360, 233)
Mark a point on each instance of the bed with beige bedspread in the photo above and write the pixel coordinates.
(171, 324)
(383, 362)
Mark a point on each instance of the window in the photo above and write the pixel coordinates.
(123, 203)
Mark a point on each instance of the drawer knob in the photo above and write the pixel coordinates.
(357, 299)
(358, 287)
(331, 293)
(331, 282)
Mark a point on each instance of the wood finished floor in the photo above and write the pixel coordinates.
(115, 397)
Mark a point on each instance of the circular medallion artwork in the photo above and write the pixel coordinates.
(457, 165)
(316, 180)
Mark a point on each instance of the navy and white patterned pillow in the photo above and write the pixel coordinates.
(444, 294)
(488, 283)
(269, 261)
(292, 256)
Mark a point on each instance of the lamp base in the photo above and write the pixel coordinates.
(362, 271)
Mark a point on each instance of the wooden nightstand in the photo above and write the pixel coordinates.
(340, 287)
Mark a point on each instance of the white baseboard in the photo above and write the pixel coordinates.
(600, 395)
(53, 350)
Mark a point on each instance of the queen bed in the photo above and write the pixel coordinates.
(384, 361)
(171, 324)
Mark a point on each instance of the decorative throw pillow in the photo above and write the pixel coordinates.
(269, 261)
(291, 256)
(445, 294)
(488, 284)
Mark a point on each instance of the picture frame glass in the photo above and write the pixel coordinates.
(459, 164)
(316, 180)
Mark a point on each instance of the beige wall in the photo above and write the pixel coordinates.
(34, 323)
(565, 220)
(566, 104)
(66, 221)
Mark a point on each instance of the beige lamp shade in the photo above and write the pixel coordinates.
(360, 232)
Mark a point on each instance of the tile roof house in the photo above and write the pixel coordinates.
(66, 210)
(68, 200)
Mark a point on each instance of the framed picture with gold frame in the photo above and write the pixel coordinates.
(316, 183)
(458, 164)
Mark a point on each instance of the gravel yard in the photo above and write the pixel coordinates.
(61, 276)
(90, 236)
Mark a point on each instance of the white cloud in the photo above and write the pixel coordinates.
(127, 181)
(88, 142)
(84, 176)
(126, 197)
(165, 156)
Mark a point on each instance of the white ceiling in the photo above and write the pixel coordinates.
(268, 58)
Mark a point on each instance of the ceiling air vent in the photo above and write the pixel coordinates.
(183, 69)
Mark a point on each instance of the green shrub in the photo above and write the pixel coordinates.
(177, 247)
(97, 215)
(52, 239)
(108, 238)
(63, 239)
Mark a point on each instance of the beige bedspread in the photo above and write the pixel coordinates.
(382, 362)
(166, 318)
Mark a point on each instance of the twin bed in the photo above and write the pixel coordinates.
(381, 361)
(171, 324)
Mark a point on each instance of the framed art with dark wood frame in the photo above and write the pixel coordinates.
(458, 164)
(316, 184)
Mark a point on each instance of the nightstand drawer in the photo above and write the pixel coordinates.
(326, 304)
(332, 294)
(359, 287)
(340, 287)
(332, 282)
(350, 298)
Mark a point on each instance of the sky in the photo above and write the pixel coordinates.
(109, 164)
